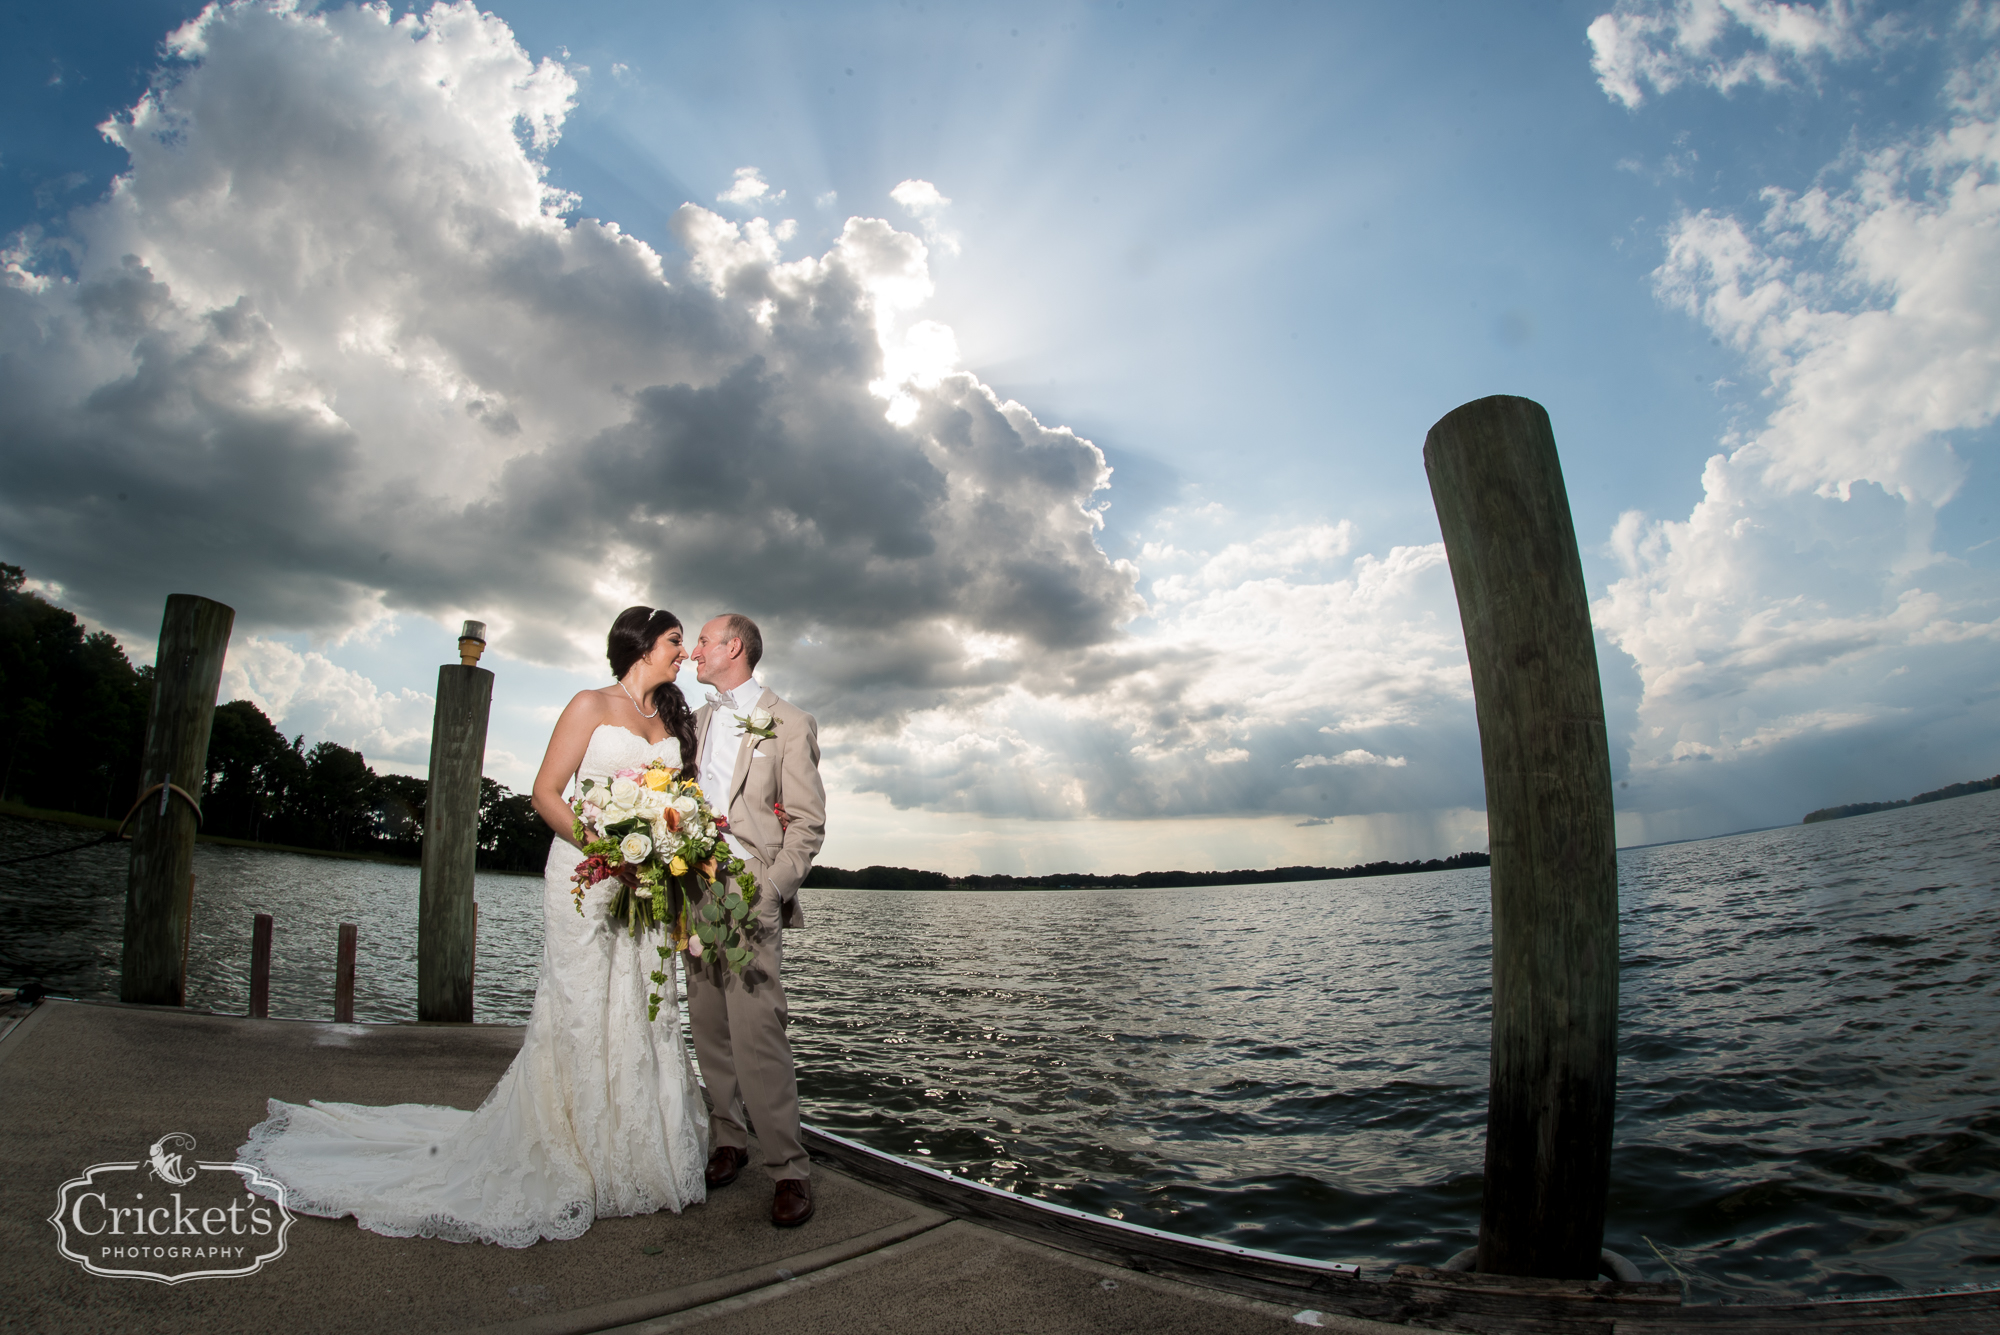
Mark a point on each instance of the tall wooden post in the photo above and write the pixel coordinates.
(159, 887)
(451, 835)
(1500, 500)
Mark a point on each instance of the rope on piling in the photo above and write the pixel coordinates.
(166, 791)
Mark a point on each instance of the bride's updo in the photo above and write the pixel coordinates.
(632, 637)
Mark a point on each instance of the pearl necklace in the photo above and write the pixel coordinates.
(635, 700)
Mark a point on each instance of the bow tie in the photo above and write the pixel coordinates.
(722, 699)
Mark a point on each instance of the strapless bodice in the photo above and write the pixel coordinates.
(613, 748)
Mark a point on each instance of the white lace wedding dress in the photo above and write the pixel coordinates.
(598, 1116)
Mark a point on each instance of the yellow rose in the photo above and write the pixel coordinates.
(678, 866)
(658, 779)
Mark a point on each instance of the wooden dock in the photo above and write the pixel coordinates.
(894, 1246)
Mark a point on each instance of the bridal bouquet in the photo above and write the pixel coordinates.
(655, 834)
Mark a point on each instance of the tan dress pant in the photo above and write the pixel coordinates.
(746, 1059)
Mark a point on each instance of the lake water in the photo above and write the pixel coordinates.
(1809, 1080)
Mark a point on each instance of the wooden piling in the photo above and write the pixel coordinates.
(159, 887)
(451, 841)
(260, 967)
(343, 976)
(1498, 486)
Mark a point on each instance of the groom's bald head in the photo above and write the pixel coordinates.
(727, 651)
(736, 626)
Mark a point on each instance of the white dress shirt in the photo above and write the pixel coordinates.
(718, 752)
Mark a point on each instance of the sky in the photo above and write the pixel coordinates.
(1049, 381)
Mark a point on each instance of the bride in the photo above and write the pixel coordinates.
(599, 1115)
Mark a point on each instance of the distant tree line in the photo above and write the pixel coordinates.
(905, 878)
(1935, 795)
(263, 787)
(73, 714)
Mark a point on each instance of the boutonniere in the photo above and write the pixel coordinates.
(758, 723)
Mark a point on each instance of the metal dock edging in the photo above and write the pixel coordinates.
(1271, 1276)
(1412, 1295)
(1120, 1226)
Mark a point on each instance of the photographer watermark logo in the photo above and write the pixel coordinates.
(171, 1219)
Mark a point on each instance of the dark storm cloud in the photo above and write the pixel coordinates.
(342, 376)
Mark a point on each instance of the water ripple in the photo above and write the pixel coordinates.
(1809, 1096)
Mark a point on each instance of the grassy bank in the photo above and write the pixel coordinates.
(21, 812)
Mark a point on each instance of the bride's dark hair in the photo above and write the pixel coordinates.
(632, 637)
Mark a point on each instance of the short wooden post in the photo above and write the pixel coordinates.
(343, 976)
(159, 887)
(1500, 500)
(451, 836)
(260, 967)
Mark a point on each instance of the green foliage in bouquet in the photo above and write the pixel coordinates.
(718, 928)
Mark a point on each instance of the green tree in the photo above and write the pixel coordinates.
(73, 713)
(399, 813)
(512, 837)
(72, 707)
(251, 768)
(338, 807)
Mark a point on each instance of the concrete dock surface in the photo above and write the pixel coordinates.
(86, 1083)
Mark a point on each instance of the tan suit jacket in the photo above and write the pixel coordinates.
(783, 767)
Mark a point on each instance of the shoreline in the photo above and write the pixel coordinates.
(76, 819)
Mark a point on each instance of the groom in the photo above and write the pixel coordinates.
(739, 1024)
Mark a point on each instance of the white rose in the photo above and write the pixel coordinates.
(760, 718)
(635, 847)
(650, 804)
(595, 794)
(624, 792)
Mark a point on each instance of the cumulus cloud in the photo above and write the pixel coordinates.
(919, 197)
(749, 188)
(1356, 756)
(927, 205)
(340, 345)
(333, 351)
(1803, 608)
(319, 698)
(1255, 651)
(1724, 44)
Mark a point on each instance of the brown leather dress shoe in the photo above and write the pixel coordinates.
(793, 1204)
(724, 1165)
